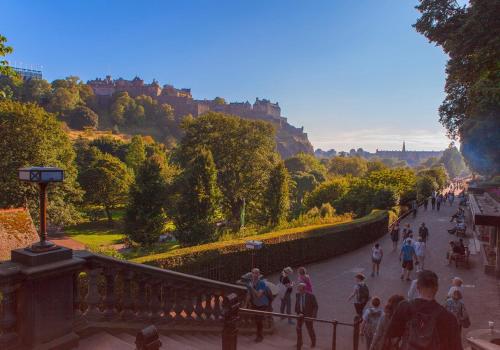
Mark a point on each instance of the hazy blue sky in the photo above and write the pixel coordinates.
(354, 73)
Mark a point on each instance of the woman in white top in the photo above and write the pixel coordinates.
(419, 247)
(377, 255)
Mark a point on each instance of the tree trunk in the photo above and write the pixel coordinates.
(108, 214)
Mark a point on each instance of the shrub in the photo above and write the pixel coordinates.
(326, 210)
(83, 117)
(313, 212)
(228, 260)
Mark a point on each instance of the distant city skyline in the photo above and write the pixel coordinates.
(354, 74)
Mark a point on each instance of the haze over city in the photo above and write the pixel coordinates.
(354, 74)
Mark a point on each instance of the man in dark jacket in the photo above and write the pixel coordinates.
(305, 306)
(423, 323)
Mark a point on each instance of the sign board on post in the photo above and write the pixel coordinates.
(253, 244)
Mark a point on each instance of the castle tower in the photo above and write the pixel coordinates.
(404, 147)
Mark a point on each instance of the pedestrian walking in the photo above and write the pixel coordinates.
(439, 200)
(423, 323)
(456, 284)
(360, 294)
(414, 207)
(456, 306)
(305, 306)
(259, 299)
(303, 277)
(426, 203)
(380, 341)
(433, 203)
(285, 292)
(371, 318)
(407, 256)
(451, 198)
(423, 232)
(407, 231)
(395, 236)
(420, 247)
(377, 255)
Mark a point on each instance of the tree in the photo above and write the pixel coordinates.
(5, 69)
(83, 117)
(438, 173)
(198, 200)
(106, 183)
(308, 163)
(470, 35)
(277, 196)
(29, 136)
(426, 184)
(36, 90)
(453, 161)
(146, 217)
(111, 145)
(402, 180)
(327, 192)
(219, 101)
(244, 155)
(136, 153)
(342, 166)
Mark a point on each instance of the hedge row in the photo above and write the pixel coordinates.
(227, 261)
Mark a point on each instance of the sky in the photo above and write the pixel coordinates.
(353, 73)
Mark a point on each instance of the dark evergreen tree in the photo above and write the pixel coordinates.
(198, 200)
(146, 216)
(277, 196)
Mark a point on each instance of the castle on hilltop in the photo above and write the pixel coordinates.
(411, 157)
(182, 101)
(183, 104)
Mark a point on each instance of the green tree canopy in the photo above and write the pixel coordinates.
(198, 200)
(453, 161)
(106, 183)
(4, 51)
(82, 117)
(355, 166)
(277, 196)
(327, 192)
(29, 136)
(136, 153)
(146, 216)
(470, 35)
(244, 155)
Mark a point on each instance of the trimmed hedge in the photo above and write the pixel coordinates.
(227, 261)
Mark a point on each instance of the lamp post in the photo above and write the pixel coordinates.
(42, 176)
(253, 246)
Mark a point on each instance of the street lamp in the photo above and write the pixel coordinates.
(42, 176)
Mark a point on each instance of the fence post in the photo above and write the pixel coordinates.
(334, 336)
(355, 335)
(230, 331)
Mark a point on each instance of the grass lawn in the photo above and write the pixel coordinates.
(98, 235)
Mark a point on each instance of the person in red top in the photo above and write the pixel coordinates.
(423, 323)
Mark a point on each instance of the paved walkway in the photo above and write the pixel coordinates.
(333, 280)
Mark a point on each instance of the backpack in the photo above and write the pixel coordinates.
(363, 293)
(421, 331)
(372, 321)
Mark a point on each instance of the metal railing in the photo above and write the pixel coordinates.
(232, 311)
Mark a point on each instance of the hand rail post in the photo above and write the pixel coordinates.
(230, 331)
(334, 335)
(355, 335)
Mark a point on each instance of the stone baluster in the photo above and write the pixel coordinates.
(93, 296)
(127, 300)
(110, 297)
(168, 297)
(141, 303)
(8, 317)
(77, 299)
(155, 311)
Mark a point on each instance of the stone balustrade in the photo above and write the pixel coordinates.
(109, 293)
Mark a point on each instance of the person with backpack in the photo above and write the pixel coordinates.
(426, 203)
(395, 236)
(423, 232)
(420, 248)
(433, 200)
(379, 341)
(260, 298)
(286, 287)
(424, 324)
(456, 306)
(360, 294)
(305, 306)
(439, 200)
(371, 318)
(377, 255)
(406, 256)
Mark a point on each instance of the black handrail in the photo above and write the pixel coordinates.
(334, 323)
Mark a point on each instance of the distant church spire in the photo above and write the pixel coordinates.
(404, 147)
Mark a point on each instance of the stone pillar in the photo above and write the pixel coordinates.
(45, 299)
